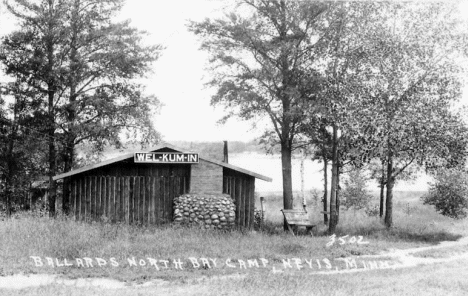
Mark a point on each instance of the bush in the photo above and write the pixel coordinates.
(449, 193)
(355, 194)
(258, 221)
(316, 197)
(372, 211)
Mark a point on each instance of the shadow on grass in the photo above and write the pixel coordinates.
(374, 231)
(405, 234)
(432, 237)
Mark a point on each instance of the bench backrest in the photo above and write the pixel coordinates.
(296, 216)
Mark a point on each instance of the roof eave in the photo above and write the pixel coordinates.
(233, 167)
(93, 166)
(165, 145)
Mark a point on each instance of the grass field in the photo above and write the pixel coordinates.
(415, 226)
(413, 220)
(449, 279)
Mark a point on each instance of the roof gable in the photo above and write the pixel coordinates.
(160, 148)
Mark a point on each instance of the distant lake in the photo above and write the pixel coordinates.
(270, 165)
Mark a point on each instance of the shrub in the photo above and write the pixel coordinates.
(449, 193)
(316, 196)
(257, 219)
(355, 194)
(372, 211)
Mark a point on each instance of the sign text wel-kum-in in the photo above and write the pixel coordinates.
(165, 157)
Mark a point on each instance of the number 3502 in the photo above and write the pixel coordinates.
(346, 239)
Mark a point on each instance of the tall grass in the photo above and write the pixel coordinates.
(413, 221)
(27, 235)
(63, 238)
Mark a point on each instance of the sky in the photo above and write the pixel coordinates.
(178, 80)
(180, 74)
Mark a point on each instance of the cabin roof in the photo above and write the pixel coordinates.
(155, 149)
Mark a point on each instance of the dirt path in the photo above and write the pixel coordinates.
(405, 258)
(400, 259)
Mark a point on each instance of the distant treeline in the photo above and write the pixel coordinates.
(214, 150)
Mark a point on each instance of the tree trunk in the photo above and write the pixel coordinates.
(389, 201)
(382, 189)
(302, 180)
(69, 147)
(51, 94)
(382, 198)
(8, 197)
(325, 189)
(68, 164)
(71, 108)
(333, 190)
(287, 178)
(338, 188)
(285, 136)
(10, 171)
(51, 133)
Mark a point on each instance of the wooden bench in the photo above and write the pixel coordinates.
(296, 218)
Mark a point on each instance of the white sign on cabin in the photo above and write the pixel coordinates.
(165, 157)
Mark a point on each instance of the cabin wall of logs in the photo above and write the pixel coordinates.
(143, 194)
(129, 199)
(241, 187)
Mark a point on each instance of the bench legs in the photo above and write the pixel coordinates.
(292, 228)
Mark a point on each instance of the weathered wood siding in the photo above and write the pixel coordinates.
(144, 193)
(242, 188)
(129, 193)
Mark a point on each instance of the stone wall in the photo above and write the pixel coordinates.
(210, 211)
(206, 177)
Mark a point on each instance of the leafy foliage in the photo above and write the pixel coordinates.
(355, 194)
(22, 158)
(79, 69)
(260, 57)
(383, 75)
(392, 81)
(94, 68)
(372, 210)
(449, 193)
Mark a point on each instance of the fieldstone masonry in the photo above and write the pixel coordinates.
(210, 211)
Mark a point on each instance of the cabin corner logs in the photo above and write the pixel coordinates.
(142, 192)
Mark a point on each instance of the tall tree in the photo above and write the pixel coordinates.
(21, 159)
(316, 132)
(85, 66)
(391, 74)
(340, 107)
(412, 78)
(37, 62)
(260, 57)
(102, 97)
